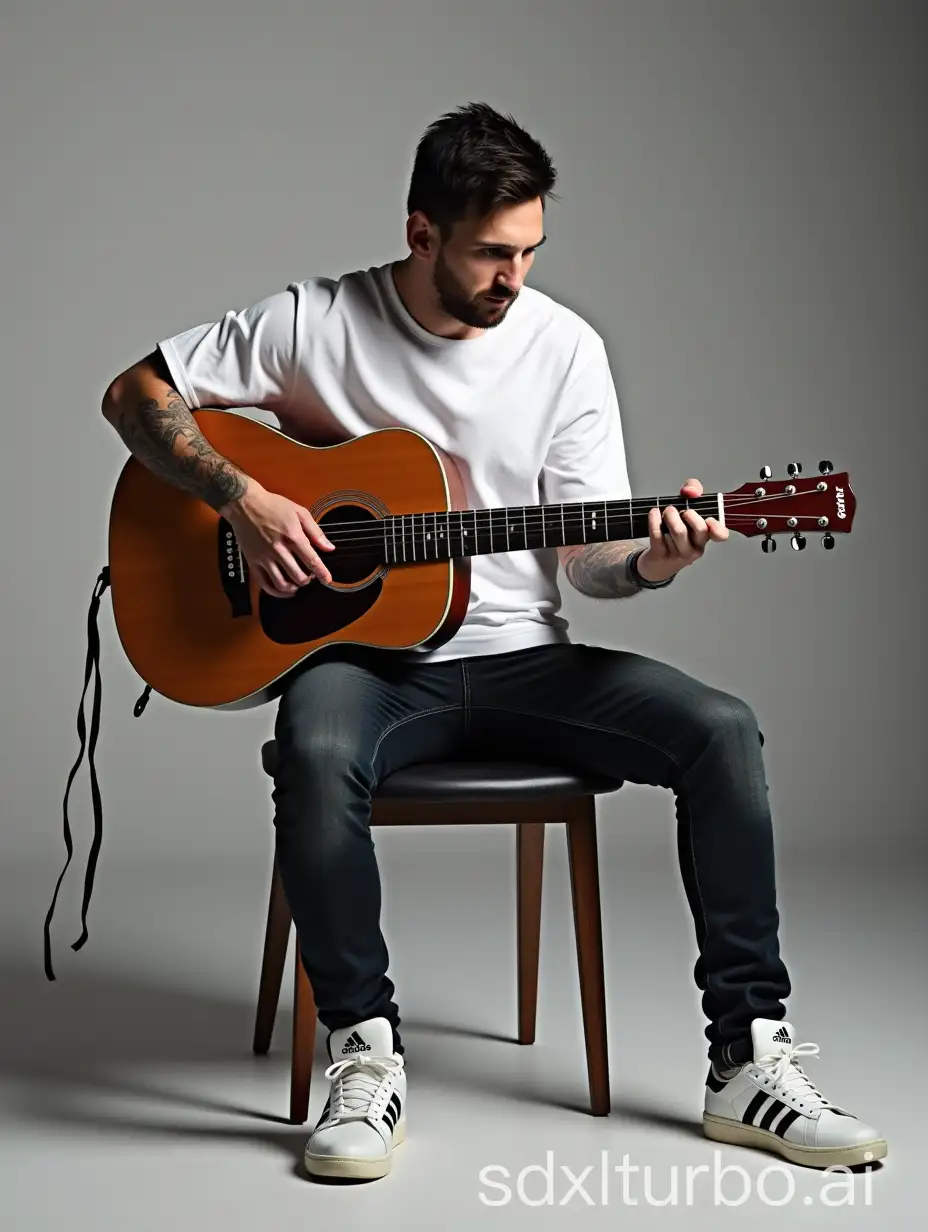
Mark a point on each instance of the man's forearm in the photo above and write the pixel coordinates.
(159, 429)
(598, 569)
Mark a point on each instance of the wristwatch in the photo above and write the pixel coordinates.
(631, 572)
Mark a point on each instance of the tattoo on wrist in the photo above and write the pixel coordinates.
(599, 570)
(165, 437)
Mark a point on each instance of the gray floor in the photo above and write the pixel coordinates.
(131, 1100)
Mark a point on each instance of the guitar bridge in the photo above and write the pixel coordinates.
(233, 570)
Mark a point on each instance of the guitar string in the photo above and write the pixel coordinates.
(394, 547)
(380, 530)
(709, 500)
(543, 514)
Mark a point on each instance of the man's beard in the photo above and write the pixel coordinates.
(478, 313)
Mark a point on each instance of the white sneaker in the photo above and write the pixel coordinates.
(364, 1117)
(770, 1103)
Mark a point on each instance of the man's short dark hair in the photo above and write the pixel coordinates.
(472, 161)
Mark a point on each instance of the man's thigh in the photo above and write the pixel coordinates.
(613, 711)
(354, 703)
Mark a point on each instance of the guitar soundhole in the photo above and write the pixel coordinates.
(359, 544)
(317, 610)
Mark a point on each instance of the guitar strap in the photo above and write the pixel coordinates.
(91, 669)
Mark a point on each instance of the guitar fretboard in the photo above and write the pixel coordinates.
(417, 537)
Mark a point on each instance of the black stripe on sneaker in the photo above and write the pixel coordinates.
(786, 1121)
(393, 1108)
(776, 1107)
(714, 1082)
(754, 1107)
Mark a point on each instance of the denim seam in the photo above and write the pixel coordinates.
(467, 707)
(702, 905)
(420, 714)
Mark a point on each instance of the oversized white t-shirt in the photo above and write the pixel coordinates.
(528, 411)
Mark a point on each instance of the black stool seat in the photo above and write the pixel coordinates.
(477, 780)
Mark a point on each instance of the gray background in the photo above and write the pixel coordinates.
(742, 217)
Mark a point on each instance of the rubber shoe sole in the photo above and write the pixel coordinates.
(720, 1129)
(353, 1169)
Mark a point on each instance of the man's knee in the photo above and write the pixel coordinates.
(323, 754)
(719, 714)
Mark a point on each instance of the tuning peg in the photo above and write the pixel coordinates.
(769, 544)
(798, 542)
(828, 540)
(825, 467)
(765, 472)
(794, 468)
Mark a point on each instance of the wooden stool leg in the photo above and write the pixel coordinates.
(530, 850)
(584, 883)
(304, 1042)
(276, 937)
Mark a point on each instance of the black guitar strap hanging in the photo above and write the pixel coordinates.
(91, 669)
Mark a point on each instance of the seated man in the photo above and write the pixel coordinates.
(518, 390)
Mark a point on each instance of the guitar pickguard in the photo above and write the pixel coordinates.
(314, 611)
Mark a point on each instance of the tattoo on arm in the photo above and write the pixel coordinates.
(163, 434)
(598, 570)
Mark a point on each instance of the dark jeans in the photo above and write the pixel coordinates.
(354, 715)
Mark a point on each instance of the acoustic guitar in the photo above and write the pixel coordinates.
(200, 631)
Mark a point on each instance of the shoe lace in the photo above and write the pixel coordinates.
(789, 1076)
(356, 1082)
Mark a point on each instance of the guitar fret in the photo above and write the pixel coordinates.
(476, 531)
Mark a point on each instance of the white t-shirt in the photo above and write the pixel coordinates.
(528, 411)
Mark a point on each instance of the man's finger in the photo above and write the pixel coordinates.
(654, 530)
(308, 557)
(716, 530)
(699, 530)
(313, 530)
(678, 529)
(290, 567)
(274, 582)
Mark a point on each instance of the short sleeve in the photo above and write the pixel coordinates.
(247, 358)
(586, 457)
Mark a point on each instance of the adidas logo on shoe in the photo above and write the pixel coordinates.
(782, 1036)
(354, 1043)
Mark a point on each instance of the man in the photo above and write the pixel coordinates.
(517, 388)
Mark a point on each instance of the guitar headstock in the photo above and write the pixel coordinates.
(793, 506)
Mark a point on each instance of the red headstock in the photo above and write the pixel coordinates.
(793, 506)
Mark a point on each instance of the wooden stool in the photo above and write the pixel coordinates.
(454, 793)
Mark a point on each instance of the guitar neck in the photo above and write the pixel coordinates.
(418, 537)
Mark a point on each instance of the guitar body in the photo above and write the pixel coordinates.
(198, 628)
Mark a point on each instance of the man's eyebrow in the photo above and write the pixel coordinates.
(510, 247)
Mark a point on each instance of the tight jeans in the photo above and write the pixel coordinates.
(355, 714)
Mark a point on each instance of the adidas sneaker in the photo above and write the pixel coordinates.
(364, 1116)
(770, 1103)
